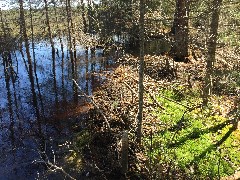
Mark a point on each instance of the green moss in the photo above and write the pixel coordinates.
(199, 137)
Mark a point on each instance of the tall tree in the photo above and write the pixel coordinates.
(211, 45)
(8, 73)
(34, 55)
(72, 46)
(180, 31)
(141, 71)
(53, 49)
(30, 67)
(83, 17)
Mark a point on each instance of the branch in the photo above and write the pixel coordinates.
(90, 99)
(52, 167)
(55, 168)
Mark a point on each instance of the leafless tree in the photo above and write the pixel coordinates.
(29, 60)
(141, 71)
(212, 45)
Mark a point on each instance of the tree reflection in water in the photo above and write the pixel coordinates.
(21, 142)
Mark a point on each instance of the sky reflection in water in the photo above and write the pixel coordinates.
(19, 138)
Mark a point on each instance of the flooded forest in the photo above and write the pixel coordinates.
(119, 89)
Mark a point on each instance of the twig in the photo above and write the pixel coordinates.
(154, 99)
(133, 92)
(91, 100)
(55, 168)
(52, 167)
(150, 94)
(131, 89)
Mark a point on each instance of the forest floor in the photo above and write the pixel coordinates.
(99, 147)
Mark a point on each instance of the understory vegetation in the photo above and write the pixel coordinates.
(202, 142)
(181, 138)
(146, 89)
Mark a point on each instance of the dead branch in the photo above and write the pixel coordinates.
(52, 167)
(91, 100)
(133, 92)
(154, 100)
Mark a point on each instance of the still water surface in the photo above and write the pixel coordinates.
(20, 138)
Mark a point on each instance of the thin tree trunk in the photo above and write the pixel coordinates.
(30, 68)
(53, 51)
(212, 45)
(23, 57)
(34, 58)
(72, 30)
(7, 68)
(60, 35)
(141, 72)
(89, 10)
(68, 9)
(69, 34)
(87, 74)
(7, 75)
(84, 17)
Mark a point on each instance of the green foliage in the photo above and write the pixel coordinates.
(58, 23)
(193, 139)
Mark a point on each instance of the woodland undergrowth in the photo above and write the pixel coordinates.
(182, 139)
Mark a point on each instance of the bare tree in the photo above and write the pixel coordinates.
(141, 71)
(29, 58)
(72, 45)
(53, 49)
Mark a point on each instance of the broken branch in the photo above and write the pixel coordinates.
(90, 99)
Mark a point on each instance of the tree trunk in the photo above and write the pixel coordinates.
(60, 35)
(53, 51)
(141, 72)
(180, 31)
(73, 61)
(84, 17)
(34, 58)
(30, 67)
(212, 44)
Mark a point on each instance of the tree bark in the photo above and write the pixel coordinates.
(180, 31)
(212, 45)
(34, 58)
(141, 72)
(53, 50)
(30, 67)
(84, 17)
(71, 47)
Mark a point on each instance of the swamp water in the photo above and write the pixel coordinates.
(22, 136)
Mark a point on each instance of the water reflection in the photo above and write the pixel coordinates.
(24, 135)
